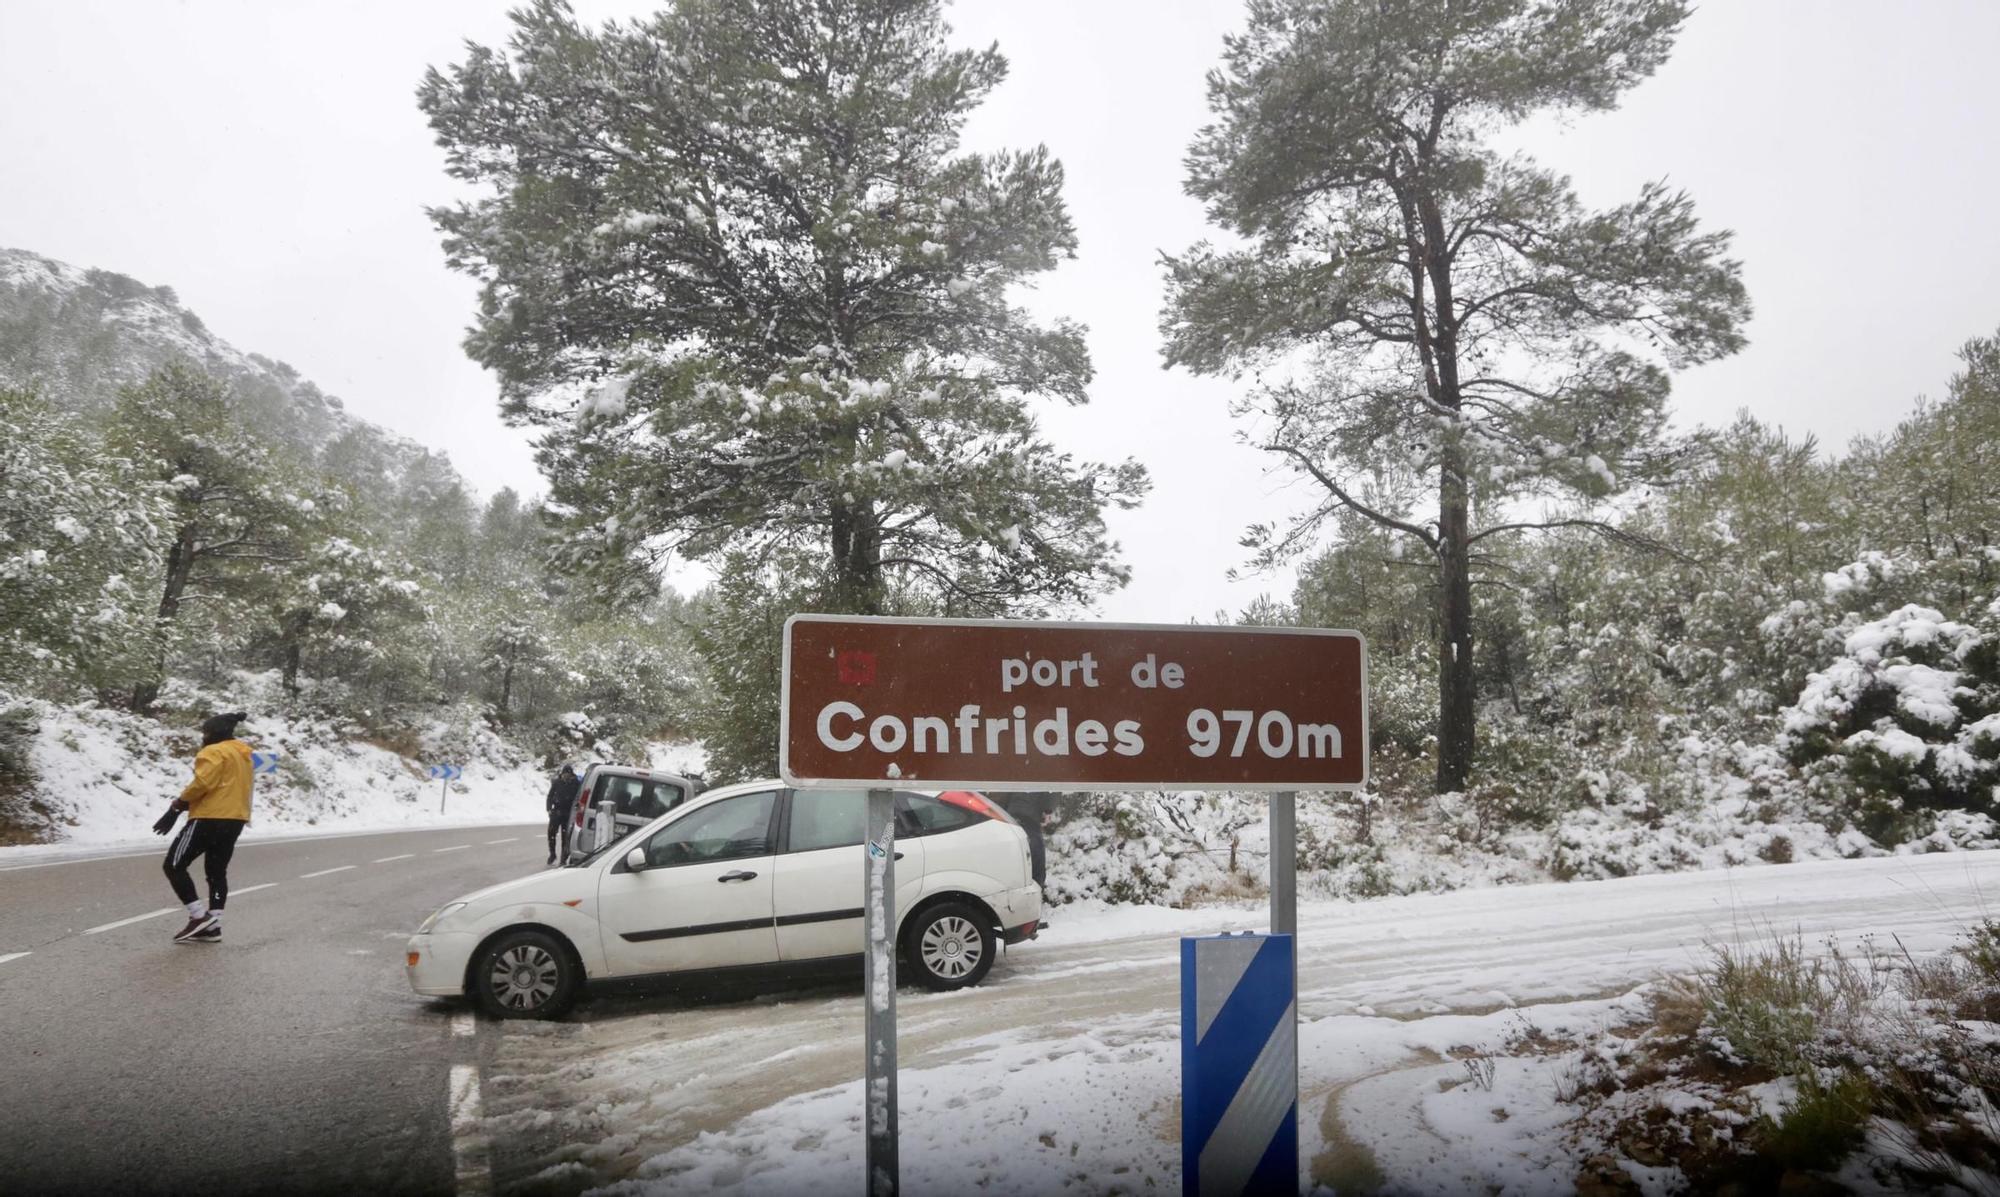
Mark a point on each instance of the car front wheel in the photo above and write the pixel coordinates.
(524, 974)
(950, 946)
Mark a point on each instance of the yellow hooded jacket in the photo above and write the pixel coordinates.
(221, 785)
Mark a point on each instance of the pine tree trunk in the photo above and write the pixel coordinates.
(506, 691)
(180, 567)
(1455, 692)
(294, 651)
(856, 542)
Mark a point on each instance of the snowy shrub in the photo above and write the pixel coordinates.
(1909, 710)
(1167, 849)
(1402, 703)
(1778, 1060)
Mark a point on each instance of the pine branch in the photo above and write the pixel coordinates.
(1609, 531)
(1387, 521)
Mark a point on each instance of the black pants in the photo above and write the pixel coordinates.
(214, 840)
(559, 831)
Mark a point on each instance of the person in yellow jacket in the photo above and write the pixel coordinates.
(217, 803)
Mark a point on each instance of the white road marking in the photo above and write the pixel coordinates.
(387, 859)
(462, 1023)
(473, 1170)
(49, 864)
(324, 872)
(510, 839)
(153, 914)
(137, 918)
(90, 856)
(453, 848)
(14, 956)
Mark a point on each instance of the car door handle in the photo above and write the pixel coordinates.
(738, 875)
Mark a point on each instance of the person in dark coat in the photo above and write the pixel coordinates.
(562, 802)
(1028, 809)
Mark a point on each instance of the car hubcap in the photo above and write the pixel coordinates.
(524, 977)
(951, 947)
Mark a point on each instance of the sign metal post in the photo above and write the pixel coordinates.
(879, 991)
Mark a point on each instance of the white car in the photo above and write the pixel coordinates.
(751, 875)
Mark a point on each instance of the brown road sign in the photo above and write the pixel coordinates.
(1029, 706)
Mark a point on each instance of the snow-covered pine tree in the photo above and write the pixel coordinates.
(232, 516)
(80, 536)
(737, 269)
(347, 609)
(1449, 333)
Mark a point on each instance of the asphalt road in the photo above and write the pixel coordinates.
(292, 1057)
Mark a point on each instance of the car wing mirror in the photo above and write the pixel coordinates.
(635, 860)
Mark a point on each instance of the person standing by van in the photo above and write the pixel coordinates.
(562, 801)
(217, 803)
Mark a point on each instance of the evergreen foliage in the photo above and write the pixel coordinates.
(81, 537)
(737, 270)
(353, 564)
(1450, 335)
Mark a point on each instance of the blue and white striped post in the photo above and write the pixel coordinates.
(1239, 1066)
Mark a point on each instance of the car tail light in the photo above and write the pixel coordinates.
(978, 804)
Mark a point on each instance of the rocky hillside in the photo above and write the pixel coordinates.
(76, 335)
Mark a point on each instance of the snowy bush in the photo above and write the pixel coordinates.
(1162, 849)
(1909, 710)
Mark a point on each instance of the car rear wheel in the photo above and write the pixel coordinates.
(949, 946)
(525, 974)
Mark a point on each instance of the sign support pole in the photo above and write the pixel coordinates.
(879, 990)
(1284, 863)
(444, 787)
(1285, 902)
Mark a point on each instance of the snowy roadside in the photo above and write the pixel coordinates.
(1062, 1072)
(102, 776)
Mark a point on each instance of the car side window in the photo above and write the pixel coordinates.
(658, 798)
(727, 830)
(626, 794)
(828, 819)
(929, 816)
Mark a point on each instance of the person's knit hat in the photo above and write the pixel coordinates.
(221, 727)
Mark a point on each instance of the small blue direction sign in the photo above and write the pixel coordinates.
(446, 772)
(264, 762)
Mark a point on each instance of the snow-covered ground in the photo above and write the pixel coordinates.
(103, 776)
(1061, 1073)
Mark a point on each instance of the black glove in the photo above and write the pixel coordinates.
(166, 823)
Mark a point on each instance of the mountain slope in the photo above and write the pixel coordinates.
(77, 335)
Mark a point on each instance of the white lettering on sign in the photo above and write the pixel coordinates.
(1276, 733)
(1015, 671)
(1150, 674)
(825, 726)
(976, 732)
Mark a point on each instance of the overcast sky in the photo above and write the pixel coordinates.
(267, 160)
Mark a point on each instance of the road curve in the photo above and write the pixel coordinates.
(290, 1058)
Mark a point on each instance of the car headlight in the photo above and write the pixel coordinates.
(443, 910)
